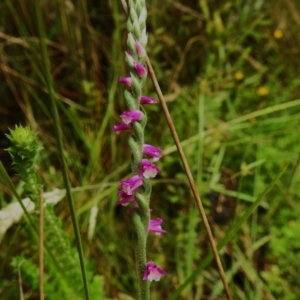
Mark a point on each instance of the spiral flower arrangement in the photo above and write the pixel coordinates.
(136, 190)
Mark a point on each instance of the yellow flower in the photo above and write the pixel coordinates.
(262, 91)
(278, 34)
(239, 75)
(245, 169)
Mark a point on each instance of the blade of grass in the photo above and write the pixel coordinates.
(20, 281)
(7, 181)
(41, 245)
(58, 132)
(33, 228)
(265, 111)
(228, 236)
(260, 286)
(238, 123)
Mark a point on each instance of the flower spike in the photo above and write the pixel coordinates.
(135, 192)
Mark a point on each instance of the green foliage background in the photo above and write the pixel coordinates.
(230, 73)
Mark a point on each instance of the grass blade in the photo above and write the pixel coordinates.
(228, 236)
(58, 132)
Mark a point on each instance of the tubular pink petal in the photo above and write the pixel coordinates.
(140, 69)
(125, 80)
(155, 226)
(131, 116)
(121, 127)
(124, 199)
(148, 169)
(129, 185)
(147, 100)
(153, 272)
(152, 151)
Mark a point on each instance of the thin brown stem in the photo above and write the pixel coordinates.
(190, 178)
(125, 6)
(20, 281)
(41, 244)
(188, 173)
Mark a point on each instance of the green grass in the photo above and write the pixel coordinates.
(232, 86)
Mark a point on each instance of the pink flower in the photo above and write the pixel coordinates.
(125, 80)
(147, 100)
(130, 116)
(131, 184)
(152, 151)
(154, 226)
(124, 199)
(153, 272)
(121, 127)
(148, 169)
(140, 69)
(141, 52)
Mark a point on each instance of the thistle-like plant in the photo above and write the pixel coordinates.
(23, 150)
(136, 190)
